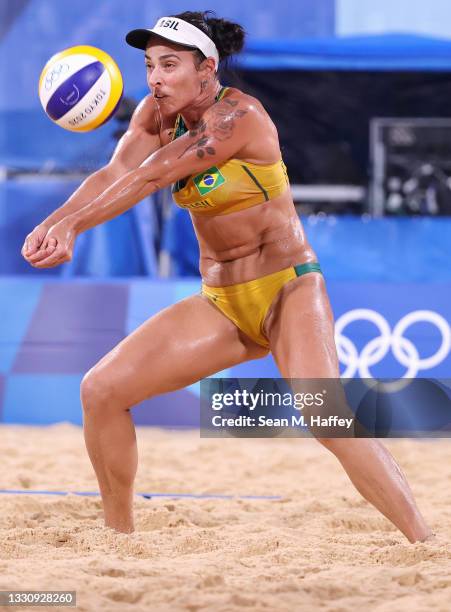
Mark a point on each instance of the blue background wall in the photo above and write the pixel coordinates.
(380, 16)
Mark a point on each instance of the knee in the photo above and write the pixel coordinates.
(96, 390)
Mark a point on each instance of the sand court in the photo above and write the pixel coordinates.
(319, 546)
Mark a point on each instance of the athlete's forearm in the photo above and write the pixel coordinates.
(122, 195)
(90, 189)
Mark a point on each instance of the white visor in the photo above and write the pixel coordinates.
(178, 31)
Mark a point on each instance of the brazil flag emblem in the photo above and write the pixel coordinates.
(208, 180)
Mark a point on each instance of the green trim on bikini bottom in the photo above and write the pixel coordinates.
(311, 266)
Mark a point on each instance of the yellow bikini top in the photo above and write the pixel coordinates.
(228, 187)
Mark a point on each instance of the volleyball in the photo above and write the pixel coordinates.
(80, 88)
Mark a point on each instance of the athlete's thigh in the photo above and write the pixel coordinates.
(176, 347)
(300, 328)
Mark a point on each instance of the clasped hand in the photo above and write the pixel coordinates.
(46, 247)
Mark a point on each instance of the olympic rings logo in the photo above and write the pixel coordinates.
(376, 349)
(55, 74)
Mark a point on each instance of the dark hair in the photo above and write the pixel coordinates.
(227, 36)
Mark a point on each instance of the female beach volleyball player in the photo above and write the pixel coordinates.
(262, 286)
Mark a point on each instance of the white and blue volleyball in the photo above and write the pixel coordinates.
(80, 88)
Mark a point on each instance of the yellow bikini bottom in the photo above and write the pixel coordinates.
(247, 304)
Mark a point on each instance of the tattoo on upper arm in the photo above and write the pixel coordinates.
(220, 126)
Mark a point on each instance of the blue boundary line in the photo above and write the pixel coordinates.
(144, 495)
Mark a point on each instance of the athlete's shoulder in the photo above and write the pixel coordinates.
(245, 101)
(235, 104)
